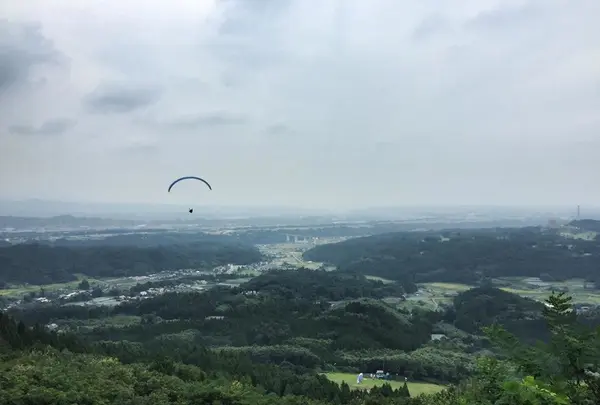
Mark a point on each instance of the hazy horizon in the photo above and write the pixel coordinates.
(330, 104)
(44, 208)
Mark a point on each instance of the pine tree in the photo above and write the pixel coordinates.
(288, 390)
(386, 390)
(404, 390)
(573, 345)
(84, 285)
(565, 364)
(345, 394)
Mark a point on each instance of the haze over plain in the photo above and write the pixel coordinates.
(324, 103)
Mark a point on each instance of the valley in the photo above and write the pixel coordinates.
(413, 304)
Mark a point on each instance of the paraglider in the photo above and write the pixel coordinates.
(189, 178)
(191, 210)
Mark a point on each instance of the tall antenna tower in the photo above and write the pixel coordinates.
(578, 212)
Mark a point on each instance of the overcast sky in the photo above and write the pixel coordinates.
(324, 103)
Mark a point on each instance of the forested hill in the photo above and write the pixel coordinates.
(464, 255)
(43, 264)
(150, 239)
(484, 306)
(315, 284)
(261, 344)
(62, 221)
(586, 224)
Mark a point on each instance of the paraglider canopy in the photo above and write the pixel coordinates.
(188, 178)
(190, 210)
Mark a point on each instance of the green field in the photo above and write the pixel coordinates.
(586, 235)
(439, 292)
(449, 287)
(20, 290)
(415, 388)
(383, 280)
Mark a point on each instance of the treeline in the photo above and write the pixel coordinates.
(237, 320)
(432, 362)
(273, 236)
(43, 264)
(586, 224)
(145, 239)
(15, 334)
(467, 256)
(63, 221)
(334, 286)
(484, 306)
(158, 375)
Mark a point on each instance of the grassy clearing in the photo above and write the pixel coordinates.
(249, 273)
(450, 287)
(123, 320)
(523, 292)
(383, 280)
(415, 388)
(522, 286)
(435, 294)
(589, 235)
(118, 321)
(541, 290)
(20, 290)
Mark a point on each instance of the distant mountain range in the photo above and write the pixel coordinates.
(39, 214)
(63, 222)
(74, 223)
(142, 212)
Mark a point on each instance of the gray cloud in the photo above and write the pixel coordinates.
(142, 150)
(329, 102)
(430, 26)
(51, 127)
(239, 16)
(121, 98)
(278, 130)
(507, 16)
(22, 48)
(241, 42)
(197, 121)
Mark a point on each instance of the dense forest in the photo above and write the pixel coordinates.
(157, 361)
(467, 256)
(591, 225)
(275, 338)
(324, 285)
(44, 264)
(265, 312)
(286, 316)
(484, 306)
